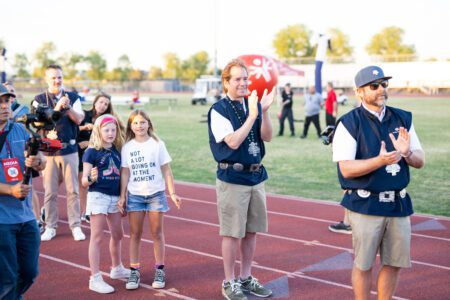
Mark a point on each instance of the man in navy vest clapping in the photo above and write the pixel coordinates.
(238, 128)
(374, 146)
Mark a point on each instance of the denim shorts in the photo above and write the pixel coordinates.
(99, 203)
(156, 202)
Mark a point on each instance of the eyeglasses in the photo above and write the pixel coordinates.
(375, 85)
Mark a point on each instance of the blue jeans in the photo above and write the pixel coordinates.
(19, 255)
(154, 203)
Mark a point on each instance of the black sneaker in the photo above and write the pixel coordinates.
(340, 227)
(42, 214)
(41, 226)
(251, 285)
(133, 280)
(88, 218)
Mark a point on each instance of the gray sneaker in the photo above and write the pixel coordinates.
(231, 290)
(133, 280)
(252, 285)
(160, 279)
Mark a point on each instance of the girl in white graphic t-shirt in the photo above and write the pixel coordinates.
(144, 173)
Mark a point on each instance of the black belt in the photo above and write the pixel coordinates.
(72, 142)
(238, 167)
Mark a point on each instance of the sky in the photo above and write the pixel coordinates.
(145, 30)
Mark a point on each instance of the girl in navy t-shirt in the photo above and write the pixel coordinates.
(101, 173)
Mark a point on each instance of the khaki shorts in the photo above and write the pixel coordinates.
(241, 208)
(391, 236)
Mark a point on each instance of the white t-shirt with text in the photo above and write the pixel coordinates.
(144, 161)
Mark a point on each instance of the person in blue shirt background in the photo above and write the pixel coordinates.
(19, 233)
(374, 145)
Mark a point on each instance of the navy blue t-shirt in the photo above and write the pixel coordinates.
(107, 162)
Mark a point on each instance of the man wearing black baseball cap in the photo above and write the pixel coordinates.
(374, 145)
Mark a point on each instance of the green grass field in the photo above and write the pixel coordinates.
(304, 167)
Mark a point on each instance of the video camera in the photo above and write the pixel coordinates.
(43, 118)
(327, 135)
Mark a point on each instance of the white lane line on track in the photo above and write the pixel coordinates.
(300, 217)
(314, 219)
(309, 243)
(287, 273)
(69, 263)
(299, 199)
(297, 240)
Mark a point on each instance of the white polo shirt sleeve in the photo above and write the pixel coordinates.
(220, 126)
(77, 106)
(344, 145)
(414, 143)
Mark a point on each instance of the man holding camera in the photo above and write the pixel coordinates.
(374, 145)
(19, 233)
(63, 164)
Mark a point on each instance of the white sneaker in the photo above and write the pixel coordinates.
(97, 284)
(78, 235)
(119, 272)
(48, 234)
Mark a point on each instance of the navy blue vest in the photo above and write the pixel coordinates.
(223, 153)
(67, 130)
(368, 132)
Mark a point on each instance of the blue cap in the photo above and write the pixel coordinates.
(4, 91)
(368, 75)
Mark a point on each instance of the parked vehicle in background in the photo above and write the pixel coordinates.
(207, 90)
(341, 97)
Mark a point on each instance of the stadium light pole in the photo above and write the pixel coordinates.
(3, 65)
(215, 38)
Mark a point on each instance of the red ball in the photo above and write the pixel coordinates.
(262, 73)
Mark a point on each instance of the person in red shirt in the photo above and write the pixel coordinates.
(331, 106)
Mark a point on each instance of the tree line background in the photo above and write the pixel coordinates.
(292, 44)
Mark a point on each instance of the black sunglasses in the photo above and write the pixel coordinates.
(375, 85)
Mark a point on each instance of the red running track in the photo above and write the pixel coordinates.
(299, 258)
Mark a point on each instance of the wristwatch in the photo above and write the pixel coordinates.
(407, 155)
(89, 179)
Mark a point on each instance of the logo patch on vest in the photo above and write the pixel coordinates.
(393, 169)
(363, 193)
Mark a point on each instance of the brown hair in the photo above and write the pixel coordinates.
(129, 134)
(53, 66)
(108, 110)
(226, 73)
